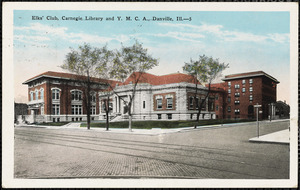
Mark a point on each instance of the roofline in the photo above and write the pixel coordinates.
(251, 75)
(49, 76)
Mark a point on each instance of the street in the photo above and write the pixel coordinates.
(217, 152)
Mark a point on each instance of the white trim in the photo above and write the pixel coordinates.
(55, 88)
(169, 96)
(76, 90)
(158, 97)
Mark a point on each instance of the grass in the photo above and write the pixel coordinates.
(52, 123)
(163, 124)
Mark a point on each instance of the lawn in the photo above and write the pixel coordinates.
(162, 124)
(53, 123)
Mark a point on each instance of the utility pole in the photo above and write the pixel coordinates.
(257, 122)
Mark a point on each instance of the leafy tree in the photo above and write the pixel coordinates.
(85, 63)
(205, 70)
(132, 62)
(103, 70)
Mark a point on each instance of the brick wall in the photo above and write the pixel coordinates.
(164, 101)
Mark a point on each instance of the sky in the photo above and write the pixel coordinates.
(248, 41)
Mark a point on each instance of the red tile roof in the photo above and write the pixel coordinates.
(60, 75)
(161, 80)
(145, 78)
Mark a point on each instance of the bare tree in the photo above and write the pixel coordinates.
(132, 62)
(205, 70)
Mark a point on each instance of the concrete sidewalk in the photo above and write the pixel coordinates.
(280, 137)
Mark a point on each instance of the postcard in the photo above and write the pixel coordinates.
(150, 95)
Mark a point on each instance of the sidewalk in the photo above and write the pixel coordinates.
(277, 137)
(280, 137)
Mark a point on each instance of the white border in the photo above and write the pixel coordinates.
(8, 101)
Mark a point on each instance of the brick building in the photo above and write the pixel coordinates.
(54, 96)
(57, 96)
(244, 90)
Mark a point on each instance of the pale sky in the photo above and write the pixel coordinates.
(248, 41)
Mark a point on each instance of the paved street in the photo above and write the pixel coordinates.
(217, 152)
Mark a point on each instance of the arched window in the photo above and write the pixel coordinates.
(36, 94)
(42, 93)
(76, 95)
(31, 96)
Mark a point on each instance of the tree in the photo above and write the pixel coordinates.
(205, 70)
(85, 63)
(103, 70)
(132, 62)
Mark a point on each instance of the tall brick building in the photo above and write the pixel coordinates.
(244, 90)
(57, 96)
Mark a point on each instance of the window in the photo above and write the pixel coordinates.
(229, 91)
(250, 81)
(110, 105)
(243, 81)
(36, 95)
(204, 104)
(251, 89)
(169, 98)
(197, 102)
(237, 111)
(159, 103)
(211, 105)
(237, 94)
(217, 97)
(236, 102)
(77, 109)
(158, 116)
(93, 97)
(191, 102)
(55, 109)
(55, 94)
(169, 116)
(236, 86)
(229, 84)
(217, 107)
(251, 97)
(42, 94)
(191, 117)
(243, 89)
(169, 103)
(144, 104)
(77, 95)
(31, 96)
(229, 109)
(93, 110)
(228, 99)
